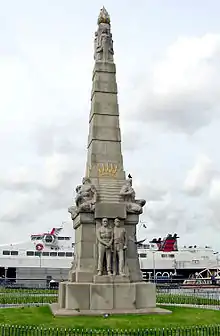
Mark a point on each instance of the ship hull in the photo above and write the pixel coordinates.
(41, 276)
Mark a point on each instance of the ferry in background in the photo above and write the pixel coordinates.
(47, 256)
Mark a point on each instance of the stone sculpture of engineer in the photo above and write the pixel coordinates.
(86, 195)
(85, 200)
(119, 247)
(105, 240)
(128, 195)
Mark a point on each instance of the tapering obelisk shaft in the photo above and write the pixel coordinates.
(104, 158)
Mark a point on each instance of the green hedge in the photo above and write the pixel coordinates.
(20, 299)
(22, 296)
(31, 290)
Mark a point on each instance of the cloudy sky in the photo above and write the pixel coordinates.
(167, 55)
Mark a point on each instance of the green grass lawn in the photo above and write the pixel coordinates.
(41, 316)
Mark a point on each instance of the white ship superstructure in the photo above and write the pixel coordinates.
(45, 256)
(48, 256)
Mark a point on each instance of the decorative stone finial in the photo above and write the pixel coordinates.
(103, 16)
(103, 44)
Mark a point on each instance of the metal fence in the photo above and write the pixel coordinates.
(198, 296)
(22, 297)
(7, 330)
(15, 296)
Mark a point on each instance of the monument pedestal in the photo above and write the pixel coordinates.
(109, 297)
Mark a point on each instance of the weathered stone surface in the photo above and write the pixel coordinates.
(107, 296)
(77, 295)
(106, 279)
(85, 200)
(56, 311)
(62, 295)
(119, 248)
(127, 194)
(145, 295)
(110, 210)
(104, 236)
(105, 275)
(85, 248)
(103, 44)
(132, 254)
(101, 296)
(110, 279)
(125, 296)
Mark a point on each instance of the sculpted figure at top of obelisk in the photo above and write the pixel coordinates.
(103, 38)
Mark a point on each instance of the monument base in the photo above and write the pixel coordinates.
(104, 298)
(56, 311)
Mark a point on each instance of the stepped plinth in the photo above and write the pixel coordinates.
(105, 274)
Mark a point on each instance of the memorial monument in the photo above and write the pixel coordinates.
(105, 274)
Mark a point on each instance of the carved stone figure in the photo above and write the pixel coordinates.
(103, 44)
(72, 268)
(127, 193)
(86, 196)
(119, 248)
(105, 239)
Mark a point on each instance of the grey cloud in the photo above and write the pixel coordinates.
(154, 193)
(133, 136)
(184, 113)
(200, 177)
(37, 195)
(64, 137)
(151, 192)
(182, 92)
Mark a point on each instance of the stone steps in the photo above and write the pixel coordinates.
(108, 190)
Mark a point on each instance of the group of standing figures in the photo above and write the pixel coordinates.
(112, 244)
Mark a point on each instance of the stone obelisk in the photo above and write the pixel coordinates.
(105, 273)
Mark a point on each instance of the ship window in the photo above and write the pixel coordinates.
(171, 255)
(60, 238)
(53, 254)
(69, 254)
(46, 254)
(30, 253)
(195, 261)
(38, 254)
(61, 254)
(67, 238)
(163, 255)
(6, 252)
(48, 239)
(142, 255)
(14, 253)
